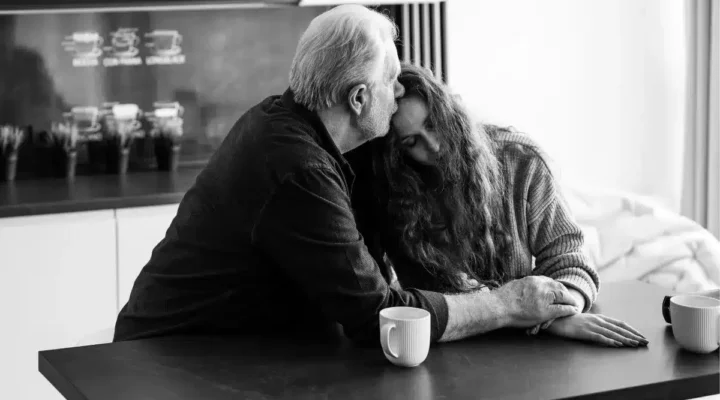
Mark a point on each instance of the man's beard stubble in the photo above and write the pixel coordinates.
(374, 125)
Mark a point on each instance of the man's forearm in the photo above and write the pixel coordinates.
(474, 313)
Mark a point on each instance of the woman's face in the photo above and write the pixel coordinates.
(416, 136)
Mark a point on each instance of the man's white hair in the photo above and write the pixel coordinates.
(339, 50)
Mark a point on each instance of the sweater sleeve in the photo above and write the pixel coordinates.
(555, 239)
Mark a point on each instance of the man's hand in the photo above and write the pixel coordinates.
(578, 301)
(598, 328)
(577, 298)
(532, 300)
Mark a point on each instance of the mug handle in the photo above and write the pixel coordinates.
(385, 338)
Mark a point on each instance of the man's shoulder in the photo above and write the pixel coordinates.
(273, 131)
(281, 140)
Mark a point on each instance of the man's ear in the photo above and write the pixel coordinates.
(358, 98)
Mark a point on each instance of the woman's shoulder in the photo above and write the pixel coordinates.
(507, 139)
(517, 147)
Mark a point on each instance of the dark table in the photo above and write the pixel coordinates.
(504, 364)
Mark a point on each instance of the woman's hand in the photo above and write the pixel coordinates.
(597, 328)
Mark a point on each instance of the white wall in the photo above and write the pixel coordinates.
(598, 83)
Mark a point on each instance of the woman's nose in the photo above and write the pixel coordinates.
(433, 144)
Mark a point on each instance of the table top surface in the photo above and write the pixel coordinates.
(95, 192)
(504, 364)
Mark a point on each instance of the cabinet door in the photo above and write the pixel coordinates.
(58, 285)
(139, 231)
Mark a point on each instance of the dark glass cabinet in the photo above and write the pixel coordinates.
(206, 62)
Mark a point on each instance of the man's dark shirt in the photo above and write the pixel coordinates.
(266, 242)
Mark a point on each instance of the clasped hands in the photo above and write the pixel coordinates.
(540, 303)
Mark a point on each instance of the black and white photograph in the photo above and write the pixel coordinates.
(371, 199)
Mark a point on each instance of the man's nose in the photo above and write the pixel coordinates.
(399, 90)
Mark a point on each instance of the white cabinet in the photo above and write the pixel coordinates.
(139, 230)
(58, 284)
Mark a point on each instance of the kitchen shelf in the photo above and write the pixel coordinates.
(94, 192)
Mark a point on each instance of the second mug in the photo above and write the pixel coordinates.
(405, 335)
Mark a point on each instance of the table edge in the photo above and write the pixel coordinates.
(682, 389)
(59, 382)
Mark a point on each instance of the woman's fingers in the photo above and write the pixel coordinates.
(606, 323)
(547, 324)
(624, 326)
(596, 337)
(616, 336)
(535, 330)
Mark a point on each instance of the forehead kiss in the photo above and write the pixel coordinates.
(414, 130)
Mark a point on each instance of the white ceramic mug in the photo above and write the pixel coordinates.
(405, 335)
(696, 322)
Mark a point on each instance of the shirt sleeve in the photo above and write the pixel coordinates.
(555, 239)
(308, 229)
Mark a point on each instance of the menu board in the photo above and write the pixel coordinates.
(208, 66)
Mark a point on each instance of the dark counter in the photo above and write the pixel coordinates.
(96, 192)
(505, 364)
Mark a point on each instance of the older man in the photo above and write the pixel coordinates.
(265, 242)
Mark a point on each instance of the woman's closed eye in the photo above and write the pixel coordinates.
(409, 141)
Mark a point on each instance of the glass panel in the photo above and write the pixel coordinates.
(208, 67)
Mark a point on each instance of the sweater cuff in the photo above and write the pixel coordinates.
(438, 309)
(588, 289)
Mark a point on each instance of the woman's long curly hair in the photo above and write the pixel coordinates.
(447, 217)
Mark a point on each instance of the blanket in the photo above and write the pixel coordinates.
(631, 237)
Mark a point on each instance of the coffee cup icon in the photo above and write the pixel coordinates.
(165, 42)
(124, 42)
(87, 44)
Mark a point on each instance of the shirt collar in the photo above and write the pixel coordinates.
(323, 136)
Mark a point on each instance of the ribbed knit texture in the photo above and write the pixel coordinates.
(545, 238)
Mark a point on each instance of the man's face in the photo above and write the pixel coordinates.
(384, 93)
